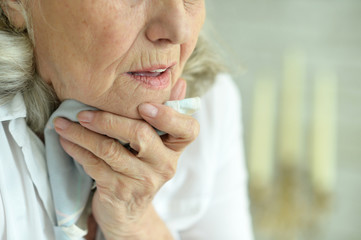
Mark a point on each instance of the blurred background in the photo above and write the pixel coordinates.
(298, 66)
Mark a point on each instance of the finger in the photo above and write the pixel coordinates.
(93, 166)
(109, 182)
(141, 136)
(100, 146)
(179, 90)
(170, 121)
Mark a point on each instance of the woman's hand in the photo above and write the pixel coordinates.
(128, 180)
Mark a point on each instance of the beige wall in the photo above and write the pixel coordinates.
(256, 36)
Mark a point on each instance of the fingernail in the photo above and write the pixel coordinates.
(61, 123)
(86, 116)
(148, 110)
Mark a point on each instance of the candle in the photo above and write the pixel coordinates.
(324, 141)
(262, 132)
(291, 138)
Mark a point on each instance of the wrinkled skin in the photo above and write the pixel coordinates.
(85, 49)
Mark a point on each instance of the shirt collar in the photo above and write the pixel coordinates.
(13, 109)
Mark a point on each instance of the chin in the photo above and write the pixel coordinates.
(128, 107)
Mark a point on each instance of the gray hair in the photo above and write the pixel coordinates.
(18, 74)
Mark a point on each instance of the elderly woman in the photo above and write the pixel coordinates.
(125, 58)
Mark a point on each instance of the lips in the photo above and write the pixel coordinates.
(154, 73)
(156, 77)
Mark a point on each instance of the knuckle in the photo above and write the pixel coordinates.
(168, 170)
(91, 159)
(150, 185)
(193, 128)
(108, 149)
(107, 120)
(142, 131)
(122, 191)
(142, 135)
(94, 168)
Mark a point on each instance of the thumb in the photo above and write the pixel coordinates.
(179, 90)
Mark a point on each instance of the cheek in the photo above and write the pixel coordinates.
(187, 50)
(95, 67)
(197, 18)
(110, 44)
(114, 26)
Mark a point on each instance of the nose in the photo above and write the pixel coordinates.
(168, 22)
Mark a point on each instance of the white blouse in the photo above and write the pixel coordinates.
(207, 198)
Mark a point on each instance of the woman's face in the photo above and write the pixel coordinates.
(115, 54)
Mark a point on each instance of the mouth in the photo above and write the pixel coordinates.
(156, 77)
